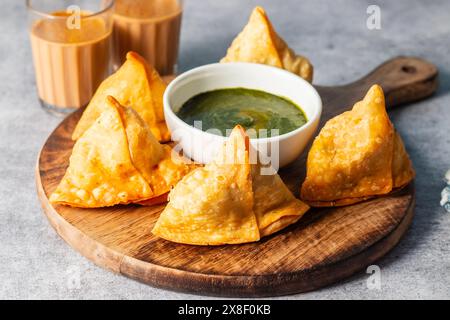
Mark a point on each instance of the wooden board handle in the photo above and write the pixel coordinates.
(404, 79)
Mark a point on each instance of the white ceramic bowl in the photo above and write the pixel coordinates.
(202, 146)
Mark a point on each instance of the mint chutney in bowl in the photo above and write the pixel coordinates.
(202, 106)
(267, 114)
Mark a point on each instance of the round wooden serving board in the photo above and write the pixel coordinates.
(323, 247)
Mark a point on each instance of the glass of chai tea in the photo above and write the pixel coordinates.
(71, 46)
(150, 28)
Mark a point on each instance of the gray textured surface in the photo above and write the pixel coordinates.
(36, 263)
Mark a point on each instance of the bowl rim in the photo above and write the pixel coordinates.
(311, 120)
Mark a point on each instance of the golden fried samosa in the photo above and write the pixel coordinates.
(228, 201)
(118, 161)
(357, 155)
(259, 43)
(137, 85)
(402, 168)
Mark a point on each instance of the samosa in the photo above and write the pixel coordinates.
(119, 161)
(228, 201)
(259, 43)
(357, 155)
(137, 85)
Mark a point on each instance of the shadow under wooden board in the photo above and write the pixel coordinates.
(323, 247)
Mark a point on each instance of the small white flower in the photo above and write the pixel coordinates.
(445, 194)
(447, 177)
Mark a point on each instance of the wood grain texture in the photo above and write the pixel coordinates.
(323, 247)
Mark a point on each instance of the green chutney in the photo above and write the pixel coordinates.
(223, 109)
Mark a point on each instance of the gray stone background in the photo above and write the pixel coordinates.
(36, 263)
